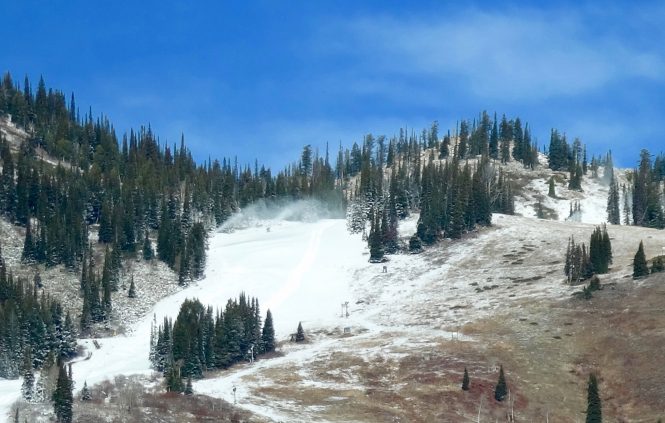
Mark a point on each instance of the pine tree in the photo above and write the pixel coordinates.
(375, 243)
(640, 266)
(106, 230)
(85, 392)
(594, 409)
(551, 192)
(268, 334)
(501, 389)
(415, 245)
(626, 206)
(27, 388)
(148, 252)
(173, 379)
(600, 250)
(62, 396)
(300, 333)
(465, 380)
(613, 212)
(28, 255)
(132, 289)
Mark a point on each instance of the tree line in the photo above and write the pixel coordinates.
(32, 327)
(581, 262)
(201, 339)
(453, 194)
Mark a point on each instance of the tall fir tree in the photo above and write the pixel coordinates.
(594, 408)
(62, 396)
(300, 333)
(501, 388)
(613, 212)
(148, 252)
(28, 385)
(268, 334)
(132, 289)
(640, 266)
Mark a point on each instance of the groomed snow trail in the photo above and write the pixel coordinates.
(301, 271)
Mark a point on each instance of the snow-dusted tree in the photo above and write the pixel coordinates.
(626, 205)
(355, 216)
(613, 212)
(268, 334)
(375, 242)
(28, 386)
(148, 252)
(300, 333)
(62, 396)
(132, 289)
(85, 392)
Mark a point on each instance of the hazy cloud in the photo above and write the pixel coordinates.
(522, 56)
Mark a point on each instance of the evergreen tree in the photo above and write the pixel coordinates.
(626, 206)
(106, 230)
(463, 139)
(593, 411)
(85, 392)
(501, 389)
(62, 396)
(640, 267)
(465, 380)
(576, 175)
(494, 140)
(27, 388)
(132, 289)
(268, 334)
(551, 192)
(375, 243)
(415, 245)
(600, 250)
(148, 252)
(173, 379)
(107, 285)
(613, 212)
(300, 333)
(29, 253)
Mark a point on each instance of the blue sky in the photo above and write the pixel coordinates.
(262, 79)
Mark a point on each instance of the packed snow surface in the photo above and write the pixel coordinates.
(298, 270)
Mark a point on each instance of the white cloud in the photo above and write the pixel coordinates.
(512, 56)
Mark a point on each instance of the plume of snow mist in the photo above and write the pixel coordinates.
(265, 212)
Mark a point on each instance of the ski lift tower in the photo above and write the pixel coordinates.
(345, 309)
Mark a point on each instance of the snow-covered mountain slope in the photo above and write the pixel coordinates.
(534, 187)
(304, 271)
(300, 271)
(419, 301)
